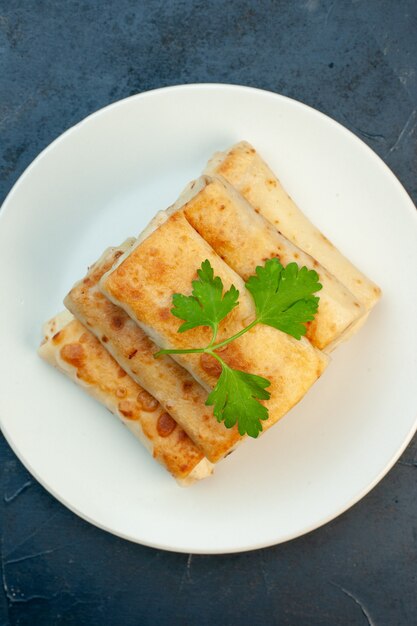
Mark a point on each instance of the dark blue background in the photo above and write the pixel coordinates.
(357, 62)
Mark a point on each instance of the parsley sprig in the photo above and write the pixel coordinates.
(283, 298)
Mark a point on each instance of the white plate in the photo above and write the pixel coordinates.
(101, 182)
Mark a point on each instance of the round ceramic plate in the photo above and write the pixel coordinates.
(102, 181)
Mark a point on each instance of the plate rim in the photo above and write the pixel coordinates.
(4, 209)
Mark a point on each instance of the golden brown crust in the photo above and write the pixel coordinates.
(76, 352)
(146, 294)
(245, 240)
(244, 168)
(174, 387)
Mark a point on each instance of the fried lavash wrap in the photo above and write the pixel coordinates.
(244, 240)
(143, 282)
(237, 216)
(72, 349)
(173, 386)
(244, 168)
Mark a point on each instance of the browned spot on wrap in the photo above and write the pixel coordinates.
(73, 353)
(210, 365)
(182, 435)
(57, 337)
(165, 425)
(164, 313)
(146, 401)
(125, 408)
(117, 322)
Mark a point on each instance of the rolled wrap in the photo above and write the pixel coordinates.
(170, 384)
(143, 282)
(245, 239)
(72, 349)
(243, 167)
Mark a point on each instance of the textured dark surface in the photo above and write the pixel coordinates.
(357, 62)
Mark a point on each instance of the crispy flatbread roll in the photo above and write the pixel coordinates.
(168, 382)
(143, 282)
(243, 167)
(71, 348)
(245, 239)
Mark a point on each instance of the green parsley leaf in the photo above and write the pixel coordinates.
(235, 399)
(207, 305)
(284, 296)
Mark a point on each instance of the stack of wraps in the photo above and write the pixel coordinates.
(237, 215)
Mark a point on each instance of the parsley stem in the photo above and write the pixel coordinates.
(210, 348)
(219, 359)
(187, 351)
(213, 339)
(233, 337)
